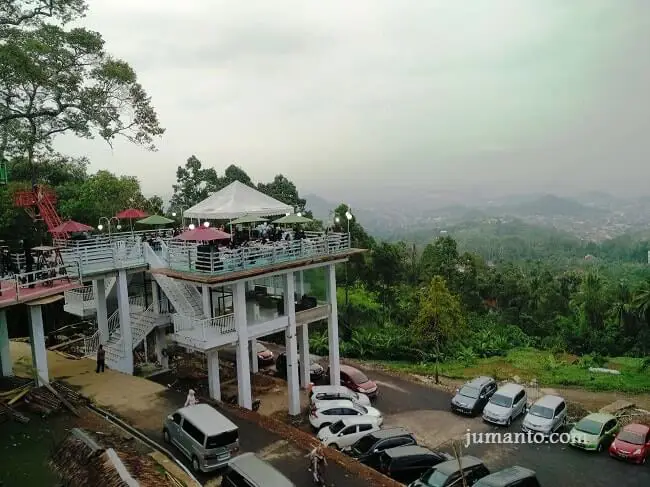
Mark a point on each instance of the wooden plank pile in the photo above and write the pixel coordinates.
(46, 400)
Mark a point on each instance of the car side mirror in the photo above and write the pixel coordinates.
(457, 390)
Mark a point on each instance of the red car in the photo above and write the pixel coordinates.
(632, 443)
(357, 381)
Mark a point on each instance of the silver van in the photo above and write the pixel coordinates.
(507, 403)
(204, 435)
(546, 416)
(247, 470)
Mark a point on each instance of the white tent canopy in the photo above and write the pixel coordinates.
(234, 201)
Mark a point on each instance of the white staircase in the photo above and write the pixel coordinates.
(143, 322)
(184, 297)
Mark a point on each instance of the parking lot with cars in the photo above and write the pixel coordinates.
(426, 413)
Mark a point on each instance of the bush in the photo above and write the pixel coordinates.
(589, 361)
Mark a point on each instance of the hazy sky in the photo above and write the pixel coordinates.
(353, 95)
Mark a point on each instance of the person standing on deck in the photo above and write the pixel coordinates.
(101, 356)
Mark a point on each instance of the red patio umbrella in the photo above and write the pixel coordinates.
(71, 226)
(202, 234)
(130, 214)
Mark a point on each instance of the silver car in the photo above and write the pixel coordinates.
(546, 416)
(206, 437)
(507, 403)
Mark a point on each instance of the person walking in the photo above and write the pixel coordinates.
(191, 398)
(101, 357)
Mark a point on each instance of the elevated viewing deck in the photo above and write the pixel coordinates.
(29, 286)
(101, 255)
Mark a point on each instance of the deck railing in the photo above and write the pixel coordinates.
(19, 284)
(187, 256)
(83, 298)
(200, 329)
(104, 255)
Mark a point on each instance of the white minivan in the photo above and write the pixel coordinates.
(547, 415)
(506, 405)
(346, 432)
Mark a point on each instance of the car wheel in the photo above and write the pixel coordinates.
(166, 437)
(509, 422)
(599, 448)
(335, 446)
(195, 464)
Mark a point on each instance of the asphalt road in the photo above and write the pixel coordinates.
(285, 457)
(556, 465)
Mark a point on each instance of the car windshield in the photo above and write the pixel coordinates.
(541, 411)
(361, 409)
(434, 478)
(589, 426)
(468, 392)
(631, 437)
(503, 401)
(364, 445)
(336, 427)
(357, 376)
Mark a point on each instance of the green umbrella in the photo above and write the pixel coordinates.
(292, 219)
(248, 219)
(155, 220)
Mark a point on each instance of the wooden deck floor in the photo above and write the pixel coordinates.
(9, 297)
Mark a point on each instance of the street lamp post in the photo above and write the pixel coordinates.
(182, 210)
(108, 221)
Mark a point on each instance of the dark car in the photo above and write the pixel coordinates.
(369, 448)
(316, 370)
(408, 463)
(448, 474)
(510, 477)
(354, 379)
(473, 396)
(264, 355)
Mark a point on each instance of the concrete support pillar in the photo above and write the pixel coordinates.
(255, 366)
(291, 343)
(37, 339)
(161, 345)
(205, 295)
(99, 290)
(333, 325)
(122, 283)
(6, 365)
(304, 361)
(155, 296)
(301, 287)
(244, 394)
(214, 383)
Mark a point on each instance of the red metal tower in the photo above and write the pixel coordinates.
(39, 205)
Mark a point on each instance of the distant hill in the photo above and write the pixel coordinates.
(550, 206)
(319, 207)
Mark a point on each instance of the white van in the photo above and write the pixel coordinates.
(205, 436)
(506, 405)
(347, 431)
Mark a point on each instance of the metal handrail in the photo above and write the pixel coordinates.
(222, 324)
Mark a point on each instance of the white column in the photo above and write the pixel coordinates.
(244, 395)
(213, 375)
(37, 339)
(99, 290)
(161, 344)
(125, 322)
(255, 366)
(302, 283)
(333, 325)
(291, 344)
(155, 296)
(5, 351)
(205, 294)
(305, 378)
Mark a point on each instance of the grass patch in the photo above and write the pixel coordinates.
(549, 369)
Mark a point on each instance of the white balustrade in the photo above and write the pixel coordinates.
(201, 329)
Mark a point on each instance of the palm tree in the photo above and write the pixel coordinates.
(622, 306)
(641, 303)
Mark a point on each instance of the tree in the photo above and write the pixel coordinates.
(193, 184)
(387, 269)
(55, 81)
(440, 317)
(285, 191)
(17, 12)
(440, 259)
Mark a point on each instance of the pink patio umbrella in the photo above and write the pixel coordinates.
(71, 226)
(130, 214)
(203, 234)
